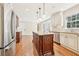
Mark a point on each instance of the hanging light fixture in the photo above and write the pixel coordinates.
(45, 16)
(44, 11)
(41, 13)
(37, 14)
(43, 8)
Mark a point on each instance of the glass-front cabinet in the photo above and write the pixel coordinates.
(73, 21)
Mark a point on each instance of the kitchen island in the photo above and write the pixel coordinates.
(43, 43)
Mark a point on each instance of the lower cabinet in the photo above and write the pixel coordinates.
(72, 41)
(69, 41)
(43, 44)
(0, 52)
(78, 43)
(63, 39)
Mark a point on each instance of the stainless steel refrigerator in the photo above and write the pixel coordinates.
(7, 32)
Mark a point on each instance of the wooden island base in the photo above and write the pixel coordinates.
(43, 44)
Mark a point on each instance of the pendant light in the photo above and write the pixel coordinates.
(44, 16)
(43, 8)
(39, 15)
(39, 12)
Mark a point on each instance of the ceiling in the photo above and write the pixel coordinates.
(27, 11)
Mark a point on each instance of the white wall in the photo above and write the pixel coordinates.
(27, 22)
(27, 27)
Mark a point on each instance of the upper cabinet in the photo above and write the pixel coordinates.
(57, 21)
(45, 26)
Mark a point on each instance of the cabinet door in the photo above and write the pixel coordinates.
(63, 39)
(78, 44)
(69, 41)
(48, 44)
(66, 40)
(72, 41)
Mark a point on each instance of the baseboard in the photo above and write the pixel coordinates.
(56, 42)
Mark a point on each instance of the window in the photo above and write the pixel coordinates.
(77, 23)
(69, 19)
(73, 17)
(73, 24)
(73, 21)
(77, 16)
(69, 22)
(68, 25)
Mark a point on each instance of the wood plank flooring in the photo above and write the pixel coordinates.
(63, 51)
(26, 48)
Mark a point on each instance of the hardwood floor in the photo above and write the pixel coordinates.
(63, 51)
(26, 48)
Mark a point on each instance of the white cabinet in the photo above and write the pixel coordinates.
(56, 21)
(63, 39)
(45, 26)
(78, 43)
(72, 41)
(66, 41)
(69, 41)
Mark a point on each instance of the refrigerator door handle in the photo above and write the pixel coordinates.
(12, 25)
